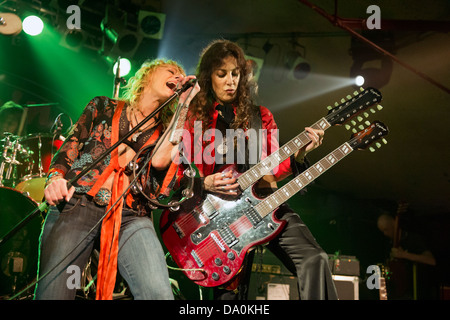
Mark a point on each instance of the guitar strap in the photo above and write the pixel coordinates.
(255, 123)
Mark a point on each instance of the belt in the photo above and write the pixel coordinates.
(101, 199)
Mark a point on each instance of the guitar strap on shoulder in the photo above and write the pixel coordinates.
(255, 123)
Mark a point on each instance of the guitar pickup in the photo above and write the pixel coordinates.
(196, 258)
(253, 216)
(228, 236)
(178, 230)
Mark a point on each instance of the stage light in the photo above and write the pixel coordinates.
(32, 25)
(73, 40)
(125, 67)
(375, 67)
(123, 42)
(359, 81)
(298, 67)
(151, 24)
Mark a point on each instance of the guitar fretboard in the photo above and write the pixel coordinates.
(295, 185)
(276, 158)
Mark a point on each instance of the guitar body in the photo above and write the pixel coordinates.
(214, 234)
(209, 236)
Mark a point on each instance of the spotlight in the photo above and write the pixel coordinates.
(375, 67)
(359, 81)
(151, 24)
(10, 24)
(125, 67)
(298, 67)
(73, 40)
(32, 25)
(124, 42)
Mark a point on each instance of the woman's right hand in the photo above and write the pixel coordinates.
(56, 191)
(222, 183)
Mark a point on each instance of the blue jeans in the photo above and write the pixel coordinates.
(141, 260)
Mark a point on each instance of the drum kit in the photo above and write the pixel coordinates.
(24, 163)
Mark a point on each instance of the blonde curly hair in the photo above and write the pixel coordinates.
(136, 84)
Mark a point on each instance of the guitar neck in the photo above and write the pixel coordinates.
(264, 167)
(280, 196)
(336, 116)
(383, 291)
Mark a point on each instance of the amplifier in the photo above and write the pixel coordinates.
(270, 279)
(344, 265)
(347, 287)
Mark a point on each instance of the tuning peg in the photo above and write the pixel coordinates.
(361, 127)
(366, 114)
(349, 97)
(354, 130)
(355, 93)
(359, 118)
(384, 140)
(347, 126)
(342, 100)
(329, 107)
(367, 123)
(372, 149)
(378, 144)
(353, 122)
(372, 110)
(361, 89)
(336, 104)
(379, 107)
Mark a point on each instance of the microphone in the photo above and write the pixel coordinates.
(59, 125)
(117, 80)
(187, 85)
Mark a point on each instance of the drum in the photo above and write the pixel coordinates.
(13, 156)
(18, 255)
(41, 148)
(33, 188)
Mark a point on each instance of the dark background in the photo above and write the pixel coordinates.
(341, 206)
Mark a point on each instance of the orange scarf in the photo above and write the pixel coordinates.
(109, 237)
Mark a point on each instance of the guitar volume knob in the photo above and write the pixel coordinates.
(226, 269)
(215, 276)
(231, 255)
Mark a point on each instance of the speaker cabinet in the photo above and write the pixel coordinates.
(347, 287)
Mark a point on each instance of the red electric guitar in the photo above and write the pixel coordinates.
(209, 237)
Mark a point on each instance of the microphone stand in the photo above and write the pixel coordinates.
(43, 206)
(118, 80)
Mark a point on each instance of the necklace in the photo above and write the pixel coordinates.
(140, 130)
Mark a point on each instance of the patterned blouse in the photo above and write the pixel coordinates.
(90, 138)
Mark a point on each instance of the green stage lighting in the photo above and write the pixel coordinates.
(32, 25)
(125, 67)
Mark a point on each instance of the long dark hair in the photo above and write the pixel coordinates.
(212, 58)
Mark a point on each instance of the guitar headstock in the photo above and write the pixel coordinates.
(352, 106)
(367, 136)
